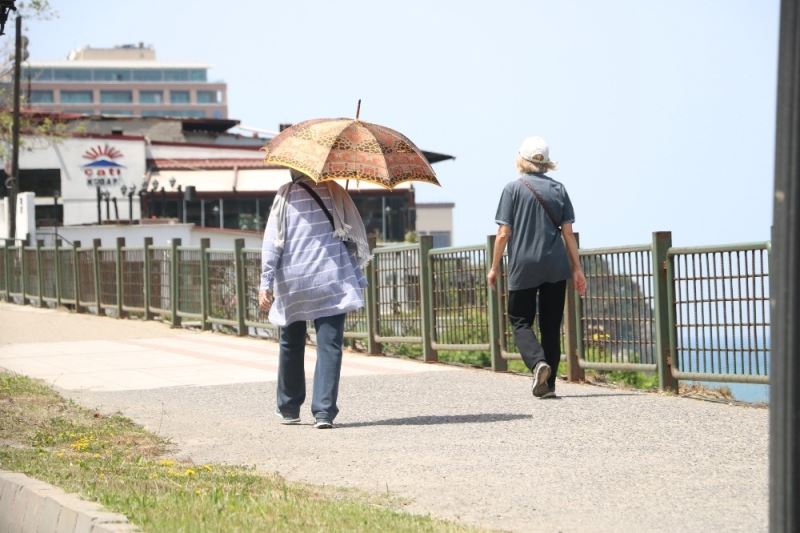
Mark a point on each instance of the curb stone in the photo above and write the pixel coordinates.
(30, 505)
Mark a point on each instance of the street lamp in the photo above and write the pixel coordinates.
(386, 211)
(129, 192)
(107, 197)
(6, 6)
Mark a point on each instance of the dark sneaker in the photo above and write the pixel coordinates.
(549, 395)
(541, 373)
(321, 423)
(286, 419)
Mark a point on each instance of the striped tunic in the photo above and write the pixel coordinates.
(313, 275)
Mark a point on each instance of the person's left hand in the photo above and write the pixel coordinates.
(265, 300)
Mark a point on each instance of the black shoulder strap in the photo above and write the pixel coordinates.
(316, 197)
(541, 201)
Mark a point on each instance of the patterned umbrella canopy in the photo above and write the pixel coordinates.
(343, 148)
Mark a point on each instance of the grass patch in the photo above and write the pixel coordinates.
(633, 380)
(111, 460)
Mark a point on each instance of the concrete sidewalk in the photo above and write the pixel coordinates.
(458, 443)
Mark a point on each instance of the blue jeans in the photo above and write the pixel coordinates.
(291, 370)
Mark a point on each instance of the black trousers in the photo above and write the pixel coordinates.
(522, 307)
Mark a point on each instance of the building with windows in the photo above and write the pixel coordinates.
(125, 80)
(137, 170)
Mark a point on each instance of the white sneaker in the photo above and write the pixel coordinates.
(321, 423)
(541, 372)
(285, 419)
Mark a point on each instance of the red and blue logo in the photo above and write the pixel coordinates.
(103, 169)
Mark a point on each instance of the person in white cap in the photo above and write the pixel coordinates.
(535, 217)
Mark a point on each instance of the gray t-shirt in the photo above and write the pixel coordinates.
(536, 251)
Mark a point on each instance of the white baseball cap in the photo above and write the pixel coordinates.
(535, 150)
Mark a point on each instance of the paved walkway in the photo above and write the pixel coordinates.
(458, 443)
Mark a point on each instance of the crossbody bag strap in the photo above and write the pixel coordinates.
(541, 201)
(316, 197)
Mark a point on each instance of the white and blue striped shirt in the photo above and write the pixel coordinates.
(314, 275)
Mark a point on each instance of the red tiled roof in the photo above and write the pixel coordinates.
(208, 164)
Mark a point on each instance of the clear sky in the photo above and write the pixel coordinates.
(660, 113)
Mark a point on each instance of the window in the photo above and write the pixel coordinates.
(184, 113)
(38, 74)
(179, 97)
(49, 215)
(41, 97)
(197, 75)
(147, 75)
(154, 113)
(240, 213)
(151, 97)
(41, 181)
(206, 97)
(116, 97)
(72, 74)
(77, 97)
(176, 75)
(108, 74)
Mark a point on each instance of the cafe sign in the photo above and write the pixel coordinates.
(103, 169)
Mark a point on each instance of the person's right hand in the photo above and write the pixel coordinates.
(579, 281)
(265, 300)
(491, 278)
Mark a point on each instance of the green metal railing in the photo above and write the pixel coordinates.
(398, 304)
(696, 313)
(133, 277)
(460, 319)
(616, 315)
(720, 314)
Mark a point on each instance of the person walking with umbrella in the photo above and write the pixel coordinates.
(535, 217)
(314, 250)
(315, 246)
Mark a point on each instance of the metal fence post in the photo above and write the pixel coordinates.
(23, 271)
(784, 394)
(662, 240)
(39, 273)
(148, 242)
(499, 364)
(241, 292)
(572, 329)
(76, 274)
(173, 282)
(7, 263)
(58, 271)
(96, 261)
(205, 243)
(119, 275)
(373, 346)
(426, 296)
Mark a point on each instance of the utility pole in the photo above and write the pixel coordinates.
(13, 181)
(784, 401)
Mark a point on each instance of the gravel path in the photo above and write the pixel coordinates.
(471, 445)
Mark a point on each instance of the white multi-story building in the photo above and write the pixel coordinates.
(125, 80)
